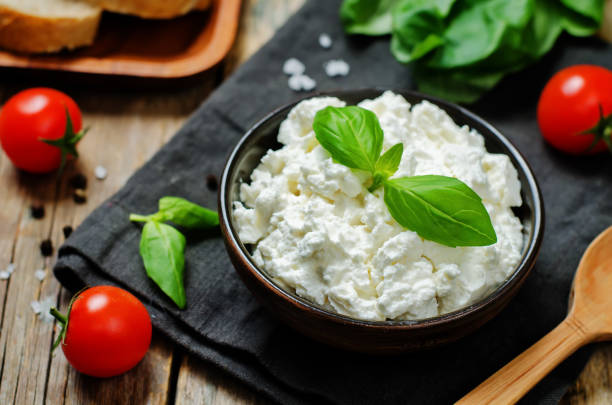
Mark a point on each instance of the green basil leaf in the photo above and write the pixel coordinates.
(441, 209)
(186, 213)
(463, 48)
(418, 27)
(162, 249)
(390, 160)
(352, 136)
(593, 9)
(387, 165)
(368, 17)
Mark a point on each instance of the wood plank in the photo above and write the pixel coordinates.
(201, 383)
(594, 385)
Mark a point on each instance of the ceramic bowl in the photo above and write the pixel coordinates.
(375, 336)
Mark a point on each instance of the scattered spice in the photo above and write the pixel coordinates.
(325, 41)
(67, 231)
(46, 247)
(337, 67)
(293, 66)
(37, 211)
(6, 273)
(79, 196)
(40, 274)
(211, 182)
(78, 181)
(301, 83)
(100, 172)
(42, 307)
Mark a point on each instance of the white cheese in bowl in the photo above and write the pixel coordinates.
(317, 231)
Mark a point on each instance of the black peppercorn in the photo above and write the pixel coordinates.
(46, 248)
(37, 211)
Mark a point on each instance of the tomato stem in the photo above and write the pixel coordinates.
(61, 318)
(602, 131)
(67, 143)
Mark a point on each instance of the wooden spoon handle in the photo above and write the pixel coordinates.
(515, 379)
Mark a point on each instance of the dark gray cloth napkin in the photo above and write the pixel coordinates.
(223, 324)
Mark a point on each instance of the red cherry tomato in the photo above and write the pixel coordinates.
(570, 104)
(32, 115)
(108, 332)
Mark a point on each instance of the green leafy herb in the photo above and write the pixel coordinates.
(438, 208)
(441, 209)
(372, 17)
(463, 48)
(162, 247)
(351, 134)
(386, 165)
(182, 212)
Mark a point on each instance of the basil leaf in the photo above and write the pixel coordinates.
(390, 160)
(162, 249)
(386, 165)
(369, 17)
(352, 136)
(186, 213)
(463, 48)
(418, 28)
(441, 209)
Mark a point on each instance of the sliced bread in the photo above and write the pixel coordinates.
(152, 8)
(37, 26)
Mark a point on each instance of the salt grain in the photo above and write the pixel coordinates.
(301, 83)
(100, 172)
(325, 41)
(36, 307)
(40, 274)
(42, 307)
(6, 273)
(292, 66)
(337, 67)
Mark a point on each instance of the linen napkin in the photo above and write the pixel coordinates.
(223, 323)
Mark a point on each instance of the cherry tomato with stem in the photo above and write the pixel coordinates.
(106, 332)
(575, 110)
(40, 128)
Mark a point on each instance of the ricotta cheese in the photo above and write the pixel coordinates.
(317, 231)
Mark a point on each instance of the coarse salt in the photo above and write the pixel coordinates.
(6, 273)
(301, 83)
(100, 172)
(337, 67)
(293, 66)
(40, 274)
(42, 307)
(325, 41)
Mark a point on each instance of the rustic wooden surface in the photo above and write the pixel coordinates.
(127, 127)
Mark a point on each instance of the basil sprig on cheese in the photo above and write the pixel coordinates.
(438, 208)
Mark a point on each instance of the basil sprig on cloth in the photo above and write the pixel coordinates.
(463, 48)
(162, 247)
(438, 208)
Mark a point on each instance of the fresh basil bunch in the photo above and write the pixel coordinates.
(438, 208)
(463, 48)
(162, 247)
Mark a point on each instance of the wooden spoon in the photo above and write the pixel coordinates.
(589, 319)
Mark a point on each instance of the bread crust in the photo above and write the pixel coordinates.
(152, 8)
(33, 34)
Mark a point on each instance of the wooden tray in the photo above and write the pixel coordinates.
(129, 46)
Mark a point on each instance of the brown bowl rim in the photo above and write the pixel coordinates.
(521, 271)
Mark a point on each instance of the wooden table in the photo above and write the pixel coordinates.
(127, 128)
